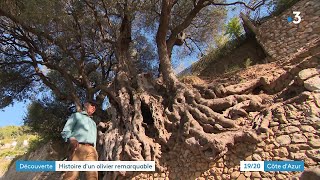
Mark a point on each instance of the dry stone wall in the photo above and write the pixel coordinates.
(281, 39)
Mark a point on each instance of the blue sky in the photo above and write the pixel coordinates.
(13, 115)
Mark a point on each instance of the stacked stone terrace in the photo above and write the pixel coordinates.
(282, 39)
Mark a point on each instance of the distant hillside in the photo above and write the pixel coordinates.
(48, 151)
(14, 141)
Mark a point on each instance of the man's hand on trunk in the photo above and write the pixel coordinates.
(73, 143)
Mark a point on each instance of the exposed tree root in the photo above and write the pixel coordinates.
(204, 117)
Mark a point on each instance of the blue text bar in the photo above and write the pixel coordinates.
(35, 166)
(283, 165)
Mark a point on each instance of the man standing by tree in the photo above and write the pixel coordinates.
(81, 133)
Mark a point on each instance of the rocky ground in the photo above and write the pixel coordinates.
(293, 131)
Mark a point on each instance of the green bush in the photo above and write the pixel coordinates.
(233, 68)
(247, 63)
(47, 119)
(4, 166)
(221, 40)
(11, 152)
(234, 28)
(10, 132)
(35, 143)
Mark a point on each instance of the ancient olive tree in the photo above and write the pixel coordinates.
(107, 49)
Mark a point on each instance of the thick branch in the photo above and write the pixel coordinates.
(99, 23)
(187, 21)
(260, 3)
(46, 80)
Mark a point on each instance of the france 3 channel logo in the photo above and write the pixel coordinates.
(297, 18)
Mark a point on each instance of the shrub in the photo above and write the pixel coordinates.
(4, 166)
(216, 53)
(10, 152)
(247, 63)
(47, 119)
(234, 28)
(233, 68)
(221, 40)
(35, 143)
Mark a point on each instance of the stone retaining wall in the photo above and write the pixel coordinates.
(281, 39)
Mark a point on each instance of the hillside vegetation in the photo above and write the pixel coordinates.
(15, 141)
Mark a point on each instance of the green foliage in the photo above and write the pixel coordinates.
(13, 84)
(17, 133)
(221, 40)
(216, 53)
(232, 68)
(74, 39)
(20, 134)
(11, 152)
(47, 118)
(234, 28)
(11, 132)
(247, 62)
(4, 166)
(35, 143)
